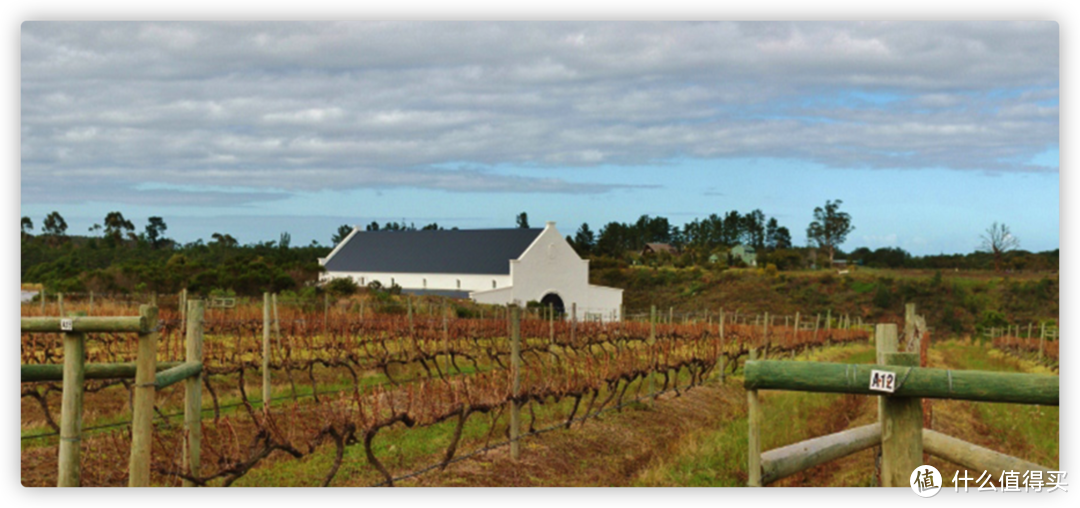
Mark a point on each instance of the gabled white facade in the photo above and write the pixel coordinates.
(548, 266)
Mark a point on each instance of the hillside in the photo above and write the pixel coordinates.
(955, 303)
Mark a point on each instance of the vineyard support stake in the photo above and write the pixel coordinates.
(71, 409)
(266, 353)
(515, 363)
(141, 422)
(193, 348)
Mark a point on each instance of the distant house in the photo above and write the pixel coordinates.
(656, 248)
(491, 266)
(745, 253)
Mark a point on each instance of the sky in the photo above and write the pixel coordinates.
(927, 131)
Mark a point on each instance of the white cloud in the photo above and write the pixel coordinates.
(307, 106)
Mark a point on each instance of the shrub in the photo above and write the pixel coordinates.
(342, 286)
(883, 298)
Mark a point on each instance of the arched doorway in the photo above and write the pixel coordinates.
(553, 300)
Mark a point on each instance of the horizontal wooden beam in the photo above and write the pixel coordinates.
(973, 456)
(177, 374)
(911, 381)
(783, 462)
(86, 324)
(55, 372)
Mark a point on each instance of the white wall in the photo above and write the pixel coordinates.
(548, 265)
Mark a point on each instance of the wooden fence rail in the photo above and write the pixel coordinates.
(147, 373)
(920, 382)
(903, 445)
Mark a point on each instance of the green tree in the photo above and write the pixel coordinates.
(783, 238)
(830, 228)
(342, 232)
(155, 231)
(54, 225)
(27, 226)
(584, 240)
(116, 226)
(998, 241)
(523, 220)
(223, 240)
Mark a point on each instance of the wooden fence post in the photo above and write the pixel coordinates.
(515, 364)
(91, 311)
(652, 342)
(60, 304)
(1042, 338)
(43, 300)
(765, 337)
(266, 353)
(573, 322)
(193, 389)
(901, 429)
(885, 341)
(71, 411)
(795, 334)
(753, 422)
(412, 330)
(445, 338)
(828, 320)
(671, 315)
(909, 328)
(277, 322)
(720, 358)
(142, 420)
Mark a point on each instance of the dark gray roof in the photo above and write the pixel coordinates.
(478, 251)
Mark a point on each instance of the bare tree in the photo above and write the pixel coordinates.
(998, 241)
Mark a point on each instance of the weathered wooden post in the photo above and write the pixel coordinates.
(652, 342)
(573, 322)
(42, 298)
(885, 341)
(828, 320)
(901, 429)
(909, 326)
(277, 322)
(817, 322)
(408, 301)
(1029, 330)
(753, 422)
(445, 338)
(551, 324)
(765, 337)
(671, 315)
(60, 304)
(71, 410)
(515, 364)
(266, 353)
(1042, 338)
(720, 358)
(795, 334)
(193, 389)
(142, 419)
(91, 311)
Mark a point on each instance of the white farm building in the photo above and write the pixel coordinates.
(491, 266)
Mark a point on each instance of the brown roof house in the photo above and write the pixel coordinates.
(656, 248)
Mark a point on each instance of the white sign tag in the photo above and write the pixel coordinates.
(65, 325)
(882, 381)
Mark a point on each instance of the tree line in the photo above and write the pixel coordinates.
(116, 256)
